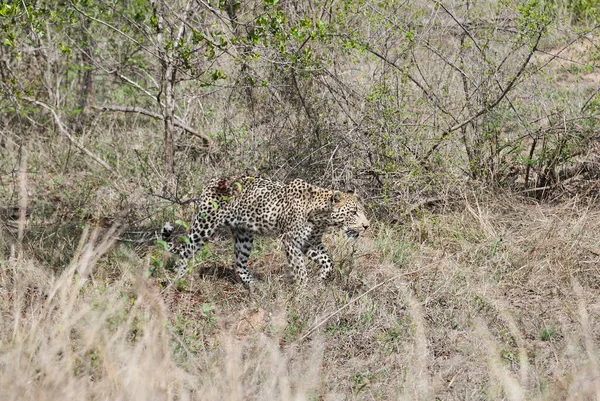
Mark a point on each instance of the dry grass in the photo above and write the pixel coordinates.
(503, 306)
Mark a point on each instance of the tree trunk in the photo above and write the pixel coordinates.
(169, 78)
(86, 82)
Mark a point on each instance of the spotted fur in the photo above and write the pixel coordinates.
(298, 211)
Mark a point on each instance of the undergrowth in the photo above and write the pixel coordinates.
(502, 306)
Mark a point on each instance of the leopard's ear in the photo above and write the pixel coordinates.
(336, 197)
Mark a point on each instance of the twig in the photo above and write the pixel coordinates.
(594, 250)
(176, 200)
(417, 205)
(63, 130)
(132, 83)
(176, 122)
(137, 241)
(353, 300)
(588, 101)
(537, 189)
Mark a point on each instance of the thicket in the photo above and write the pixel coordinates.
(402, 99)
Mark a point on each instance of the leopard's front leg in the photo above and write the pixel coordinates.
(316, 251)
(294, 241)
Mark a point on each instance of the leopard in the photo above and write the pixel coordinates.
(297, 211)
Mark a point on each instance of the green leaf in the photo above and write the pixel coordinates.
(163, 244)
(65, 49)
(321, 28)
(183, 224)
(210, 52)
(218, 74)
(155, 262)
(197, 37)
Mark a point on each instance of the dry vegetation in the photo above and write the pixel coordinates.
(497, 300)
(469, 129)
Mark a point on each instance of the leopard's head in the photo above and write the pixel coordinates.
(349, 214)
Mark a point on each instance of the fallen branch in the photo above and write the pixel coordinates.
(139, 110)
(63, 130)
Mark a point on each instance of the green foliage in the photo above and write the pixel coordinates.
(535, 16)
(585, 10)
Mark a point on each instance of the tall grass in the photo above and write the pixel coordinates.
(73, 337)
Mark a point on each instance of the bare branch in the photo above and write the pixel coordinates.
(106, 24)
(465, 30)
(63, 130)
(490, 106)
(430, 95)
(178, 123)
(131, 82)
